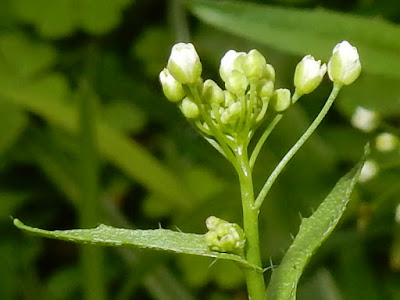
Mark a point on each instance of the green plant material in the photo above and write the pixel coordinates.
(301, 31)
(312, 233)
(126, 154)
(63, 17)
(158, 239)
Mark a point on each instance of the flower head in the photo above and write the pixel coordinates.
(344, 67)
(184, 63)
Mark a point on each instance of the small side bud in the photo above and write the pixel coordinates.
(224, 236)
(237, 83)
(386, 142)
(280, 100)
(172, 89)
(269, 72)
(253, 64)
(365, 119)
(184, 63)
(308, 75)
(189, 109)
(229, 62)
(265, 88)
(344, 67)
(212, 93)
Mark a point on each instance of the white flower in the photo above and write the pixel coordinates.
(230, 61)
(364, 119)
(308, 75)
(172, 89)
(344, 67)
(184, 63)
(368, 171)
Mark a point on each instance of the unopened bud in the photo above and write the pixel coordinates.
(280, 100)
(231, 61)
(364, 119)
(253, 64)
(344, 67)
(269, 72)
(189, 109)
(368, 171)
(212, 93)
(237, 83)
(308, 75)
(172, 89)
(184, 63)
(386, 142)
(265, 88)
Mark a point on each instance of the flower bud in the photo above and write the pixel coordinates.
(232, 113)
(253, 64)
(364, 119)
(269, 72)
(308, 75)
(265, 88)
(189, 109)
(172, 89)
(344, 67)
(280, 100)
(369, 170)
(236, 83)
(386, 142)
(231, 61)
(184, 63)
(212, 93)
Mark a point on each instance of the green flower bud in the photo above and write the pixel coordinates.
(212, 93)
(232, 113)
(172, 89)
(344, 67)
(269, 72)
(189, 109)
(232, 60)
(184, 63)
(265, 88)
(236, 83)
(224, 236)
(229, 98)
(253, 64)
(386, 142)
(308, 75)
(280, 100)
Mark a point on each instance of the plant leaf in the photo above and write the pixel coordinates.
(157, 239)
(301, 31)
(312, 233)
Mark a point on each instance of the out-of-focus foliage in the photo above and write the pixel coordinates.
(154, 170)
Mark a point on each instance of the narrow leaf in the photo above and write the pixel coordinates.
(312, 233)
(301, 31)
(157, 239)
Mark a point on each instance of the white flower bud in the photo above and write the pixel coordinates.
(308, 75)
(368, 171)
(237, 83)
(344, 67)
(172, 89)
(212, 93)
(364, 119)
(386, 142)
(280, 100)
(184, 63)
(189, 109)
(265, 88)
(253, 64)
(231, 61)
(269, 72)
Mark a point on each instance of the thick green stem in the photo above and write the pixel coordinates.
(279, 168)
(254, 278)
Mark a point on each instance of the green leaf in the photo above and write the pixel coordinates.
(301, 31)
(157, 239)
(312, 233)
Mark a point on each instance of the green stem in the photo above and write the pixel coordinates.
(89, 210)
(254, 278)
(263, 138)
(271, 179)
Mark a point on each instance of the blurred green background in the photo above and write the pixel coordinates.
(87, 137)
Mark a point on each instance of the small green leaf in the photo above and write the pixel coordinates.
(312, 233)
(157, 239)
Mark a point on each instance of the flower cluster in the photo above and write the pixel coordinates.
(231, 114)
(224, 236)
